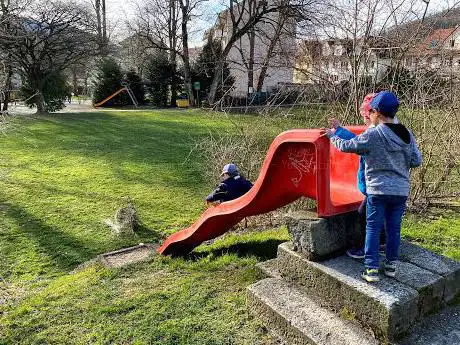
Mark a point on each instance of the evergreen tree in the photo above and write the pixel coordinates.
(55, 91)
(205, 67)
(108, 81)
(160, 74)
(137, 86)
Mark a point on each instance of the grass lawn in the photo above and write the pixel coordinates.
(62, 175)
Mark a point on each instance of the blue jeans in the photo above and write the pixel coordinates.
(380, 208)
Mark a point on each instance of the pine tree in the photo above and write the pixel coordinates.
(160, 74)
(108, 81)
(204, 70)
(137, 86)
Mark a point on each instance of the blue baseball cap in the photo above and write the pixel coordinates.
(385, 102)
(230, 169)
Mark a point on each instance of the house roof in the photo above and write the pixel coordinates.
(434, 42)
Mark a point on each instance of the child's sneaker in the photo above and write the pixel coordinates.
(371, 275)
(389, 268)
(355, 253)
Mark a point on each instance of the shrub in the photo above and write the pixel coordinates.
(55, 92)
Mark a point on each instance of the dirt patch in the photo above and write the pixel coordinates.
(128, 256)
(10, 293)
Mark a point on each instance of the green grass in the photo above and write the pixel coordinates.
(200, 300)
(61, 176)
(441, 234)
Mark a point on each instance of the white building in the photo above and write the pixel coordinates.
(272, 44)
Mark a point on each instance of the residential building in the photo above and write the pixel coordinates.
(269, 48)
(333, 60)
(439, 51)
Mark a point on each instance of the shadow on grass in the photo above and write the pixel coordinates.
(123, 139)
(63, 250)
(263, 250)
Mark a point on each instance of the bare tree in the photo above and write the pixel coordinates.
(241, 18)
(8, 8)
(156, 26)
(100, 10)
(46, 39)
(164, 25)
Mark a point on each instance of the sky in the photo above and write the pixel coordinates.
(119, 11)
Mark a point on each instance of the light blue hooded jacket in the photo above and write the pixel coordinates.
(388, 158)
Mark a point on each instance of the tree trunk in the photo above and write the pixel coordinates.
(252, 39)
(275, 39)
(219, 71)
(97, 5)
(40, 102)
(74, 81)
(185, 54)
(104, 30)
(173, 83)
(172, 36)
(9, 75)
(215, 81)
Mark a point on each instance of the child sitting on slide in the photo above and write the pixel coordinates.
(390, 151)
(233, 186)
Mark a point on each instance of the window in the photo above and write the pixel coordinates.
(344, 64)
(452, 42)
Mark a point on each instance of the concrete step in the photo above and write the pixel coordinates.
(269, 268)
(423, 284)
(440, 265)
(388, 307)
(298, 319)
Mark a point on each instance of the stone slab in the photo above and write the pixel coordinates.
(321, 238)
(126, 256)
(269, 268)
(438, 264)
(297, 319)
(429, 285)
(388, 307)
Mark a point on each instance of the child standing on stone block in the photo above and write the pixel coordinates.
(389, 150)
(356, 251)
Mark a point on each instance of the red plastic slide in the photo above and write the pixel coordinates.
(299, 163)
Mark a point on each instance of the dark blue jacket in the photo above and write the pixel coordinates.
(344, 133)
(231, 188)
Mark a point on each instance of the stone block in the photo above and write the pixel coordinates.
(447, 268)
(298, 319)
(430, 286)
(388, 307)
(321, 238)
(269, 268)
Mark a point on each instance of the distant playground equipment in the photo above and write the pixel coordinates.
(299, 163)
(182, 101)
(126, 88)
